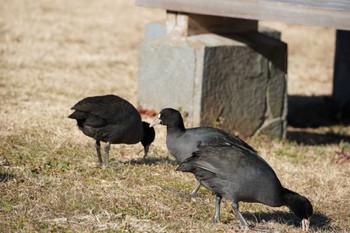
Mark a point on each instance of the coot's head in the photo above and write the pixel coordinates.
(148, 136)
(169, 117)
(303, 209)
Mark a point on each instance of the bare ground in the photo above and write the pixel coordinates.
(53, 53)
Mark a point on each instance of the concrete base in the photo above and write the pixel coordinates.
(237, 83)
(341, 82)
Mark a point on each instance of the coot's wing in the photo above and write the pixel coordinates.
(199, 160)
(217, 137)
(226, 160)
(110, 108)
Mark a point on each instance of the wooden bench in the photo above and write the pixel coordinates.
(333, 14)
(222, 17)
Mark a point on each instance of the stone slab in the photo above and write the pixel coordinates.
(237, 83)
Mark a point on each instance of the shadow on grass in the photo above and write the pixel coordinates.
(4, 177)
(309, 111)
(314, 112)
(318, 221)
(308, 138)
(149, 160)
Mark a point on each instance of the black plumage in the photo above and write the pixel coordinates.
(239, 174)
(182, 142)
(113, 120)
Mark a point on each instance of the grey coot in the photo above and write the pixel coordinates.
(113, 120)
(238, 174)
(182, 142)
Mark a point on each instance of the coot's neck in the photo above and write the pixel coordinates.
(177, 127)
(288, 196)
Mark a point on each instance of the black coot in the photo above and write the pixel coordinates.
(113, 120)
(182, 142)
(239, 174)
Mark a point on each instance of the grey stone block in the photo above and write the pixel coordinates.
(234, 88)
(154, 31)
(166, 72)
(236, 83)
(273, 128)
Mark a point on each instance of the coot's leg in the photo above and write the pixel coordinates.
(216, 217)
(146, 148)
(195, 190)
(98, 147)
(239, 215)
(107, 146)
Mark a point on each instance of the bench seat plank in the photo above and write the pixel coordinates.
(331, 14)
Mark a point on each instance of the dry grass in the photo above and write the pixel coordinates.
(53, 53)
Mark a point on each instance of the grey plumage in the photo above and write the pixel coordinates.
(182, 142)
(239, 174)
